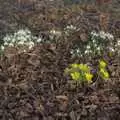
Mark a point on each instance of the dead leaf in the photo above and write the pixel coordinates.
(84, 37)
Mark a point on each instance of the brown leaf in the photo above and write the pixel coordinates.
(10, 51)
(84, 37)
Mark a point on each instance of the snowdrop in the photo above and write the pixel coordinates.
(55, 32)
(5, 43)
(21, 42)
(111, 49)
(71, 27)
(88, 47)
(31, 43)
(77, 50)
(11, 45)
(30, 46)
(39, 40)
(118, 42)
(109, 36)
(93, 33)
(86, 51)
(102, 34)
(2, 47)
(20, 38)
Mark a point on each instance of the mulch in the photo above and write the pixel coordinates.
(33, 87)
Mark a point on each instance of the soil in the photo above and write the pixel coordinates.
(33, 85)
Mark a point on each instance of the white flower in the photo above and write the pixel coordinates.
(28, 36)
(86, 51)
(2, 47)
(94, 34)
(23, 38)
(21, 42)
(52, 31)
(77, 50)
(71, 27)
(57, 33)
(118, 42)
(102, 34)
(21, 32)
(111, 49)
(13, 40)
(98, 48)
(109, 36)
(7, 38)
(39, 39)
(30, 46)
(5, 43)
(24, 50)
(11, 45)
(94, 41)
(88, 47)
(31, 43)
(71, 52)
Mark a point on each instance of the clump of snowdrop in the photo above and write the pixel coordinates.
(97, 44)
(23, 38)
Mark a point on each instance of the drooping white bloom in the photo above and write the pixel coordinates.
(94, 41)
(118, 42)
(21, 42)
(2, 47)
(7, 38)
(98, 48)
(5, 43)
(86, 51)
(56, 32)
(30, 44)
(109, 36)
(111, 49)
(93, 33)
(71, 27)
(11, 45)
(39, 39)
(88, 47)
(102, 34)
(77, 50)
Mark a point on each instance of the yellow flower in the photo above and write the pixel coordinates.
(75, 75)
(74, 65)
(88, 77)
(67, 70)
(102, 64)
(104, 73)
(84, 67)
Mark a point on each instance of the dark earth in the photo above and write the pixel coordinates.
(33, 85)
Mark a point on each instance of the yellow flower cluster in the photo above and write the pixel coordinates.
(80, 72)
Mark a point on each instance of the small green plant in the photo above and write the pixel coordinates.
(80, 73)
